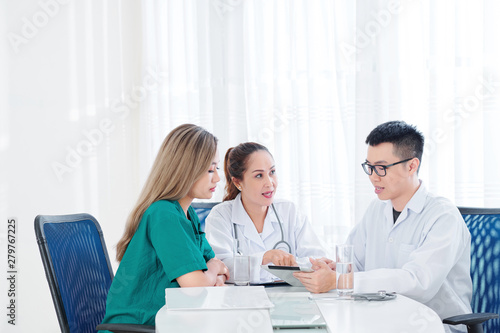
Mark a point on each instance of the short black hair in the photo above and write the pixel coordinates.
(407, 140)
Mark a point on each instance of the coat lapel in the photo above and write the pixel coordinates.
(245, 225)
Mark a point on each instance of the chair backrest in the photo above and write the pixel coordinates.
(202, 209)
(484, 226)
(77, 268)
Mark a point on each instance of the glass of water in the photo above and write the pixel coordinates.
(241, 264)
(345, 271)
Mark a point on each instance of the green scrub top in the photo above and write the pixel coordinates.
(165, 246)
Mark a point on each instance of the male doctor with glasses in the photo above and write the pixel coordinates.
(409, 241)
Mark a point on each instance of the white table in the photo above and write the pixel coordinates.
(402, 315)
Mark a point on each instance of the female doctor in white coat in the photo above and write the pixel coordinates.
(270, 231)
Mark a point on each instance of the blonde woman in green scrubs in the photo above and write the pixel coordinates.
(163, 246)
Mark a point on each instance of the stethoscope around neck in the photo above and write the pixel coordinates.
(282, 241)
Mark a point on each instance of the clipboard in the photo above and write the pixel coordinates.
(286, 273)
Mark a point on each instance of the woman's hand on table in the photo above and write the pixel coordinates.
(220, 281)
(218, 266)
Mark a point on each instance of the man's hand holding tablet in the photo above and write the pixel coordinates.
(323, 277)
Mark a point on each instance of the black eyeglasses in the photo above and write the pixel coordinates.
(380, 170)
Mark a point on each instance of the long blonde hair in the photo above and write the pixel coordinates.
(185, 154)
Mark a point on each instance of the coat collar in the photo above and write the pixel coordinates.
(416, 204)
(240, 217)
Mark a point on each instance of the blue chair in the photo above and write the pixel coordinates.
(202, 209)
(484, 226)
(78, 271)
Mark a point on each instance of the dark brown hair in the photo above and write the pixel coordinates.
(235, 165)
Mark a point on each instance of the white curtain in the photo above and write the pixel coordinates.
(250, 71)
(434, 64)
(310, 79)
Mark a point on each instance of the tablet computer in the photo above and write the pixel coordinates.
(286, 273)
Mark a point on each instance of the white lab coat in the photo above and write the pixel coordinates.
(297, 232)
(425, 255)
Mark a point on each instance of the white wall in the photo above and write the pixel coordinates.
(58, 82)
